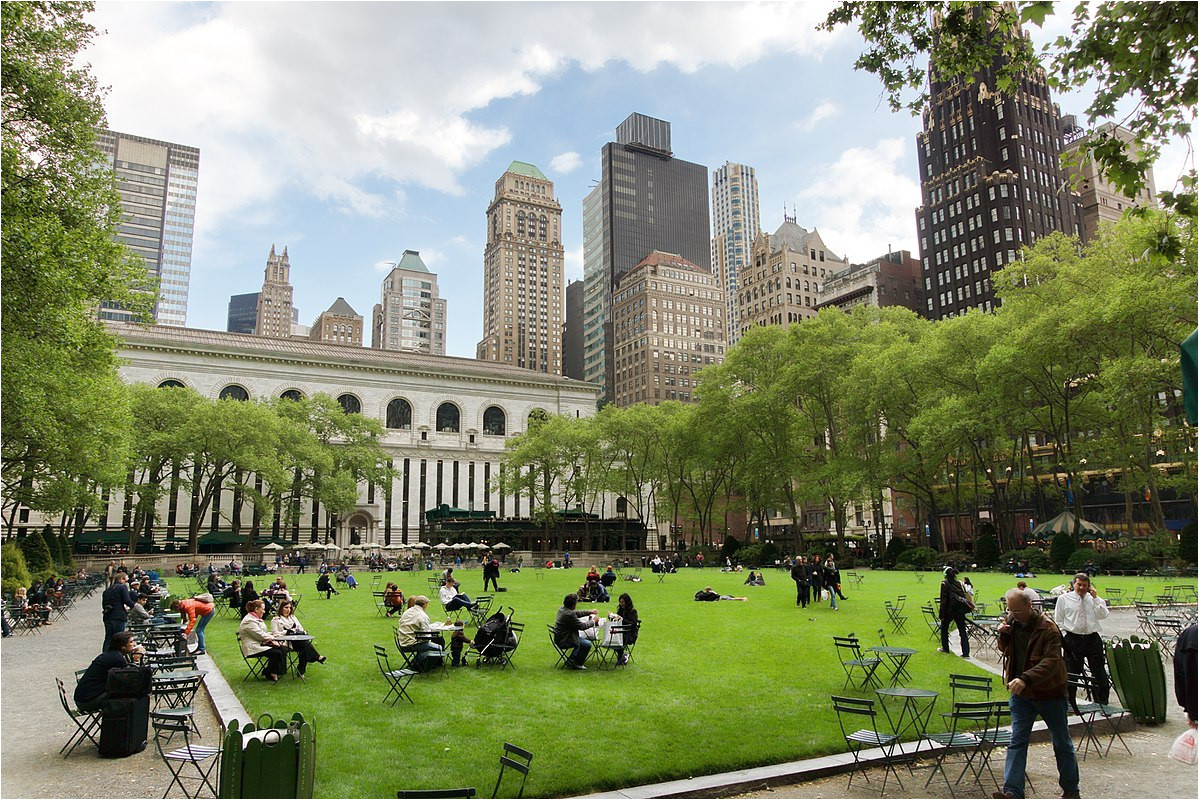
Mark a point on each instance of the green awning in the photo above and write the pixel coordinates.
(102, 537)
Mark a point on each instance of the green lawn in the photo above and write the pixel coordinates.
(714, 686)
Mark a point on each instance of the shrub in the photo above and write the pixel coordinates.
(919, 558)
(1079, 558)
(1060, 549)
(1187, 544)
(14, 572)
(757, 554)
(1038, 560)
(730, 547)
(1133, 558)
(37, 554)
(986, 550)
(895, 548)
(1162, 545)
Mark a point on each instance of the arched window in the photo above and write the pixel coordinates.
(170, 383)
(536, 417)
(494, 421)
(293, 394)
(399, 414)
(350, 404)
(233, 392)
(447, 418)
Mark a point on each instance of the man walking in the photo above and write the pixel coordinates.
(116, 602)
(799, 574)
(1078, 614)
(955, 603)
(1036, 677)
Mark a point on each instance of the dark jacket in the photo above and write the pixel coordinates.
(1185, 670)
(954, 600)
(629, 620)
(1044, 673)
(94, 681)
(568, 624)
(799, 574)
(832, 576)
(116, 602)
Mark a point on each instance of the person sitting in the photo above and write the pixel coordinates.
(285, 623)
(428, 650)
(248, 595)
(138, 612)
(323, 585)
(92, 689)
(21, 601)
(755, 579)
(216, 587)
(567, 626)
(706, 595)
(448, 572)
(593, 575)
(452, 599)
(257, 641)
(232, 595)
(628, 618)
(351, 581)
(393, 599)
(608, 578)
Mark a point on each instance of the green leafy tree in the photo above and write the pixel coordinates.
(1187, 542)
(895, 548)
(65, 425)
(37, 553)
(1060, 549)
(1146, 51)
(14, 572)
(986, 550)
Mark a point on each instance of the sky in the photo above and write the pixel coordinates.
(350, 132)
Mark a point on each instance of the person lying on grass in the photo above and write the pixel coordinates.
(706, 595)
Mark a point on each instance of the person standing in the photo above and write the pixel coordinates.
(199, 613)
(799, 574)
(1036, 678)
(1186, 672)
(1077, 615)
(955, 604)
(116, 602)
(491, 574)
(832, 581)
(816, 578)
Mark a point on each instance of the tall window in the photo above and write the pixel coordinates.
(294, 395)
(399, 414)
(494, 421)
(233, 392)
(536, 417)
(448, 418)
(350, 404)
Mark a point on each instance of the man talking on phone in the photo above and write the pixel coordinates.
(1036, 678)
(1077, 615)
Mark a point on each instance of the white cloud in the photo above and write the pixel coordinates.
(565, 162)
(823, 110)
(865, 201)
(574, 264)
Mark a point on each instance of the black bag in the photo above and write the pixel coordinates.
(129, 681)
(124, 726)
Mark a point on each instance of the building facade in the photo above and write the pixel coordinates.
(410, 317)
(893, 279)
(781, 284)
(274, 314)
(991, 182)
(446, 421)
(243, 313)
(596, 295)
(1099, 201)
(572, 332)
(648, 200)
(668, 323)
(523, 276)
(735, 227)
(157, 182)
(339, 324)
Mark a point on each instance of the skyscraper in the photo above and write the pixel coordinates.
(735, 226)
(523, 273)
(572, 332)
(274, 315)
(157, 183)
(243, 313)
(991, 182)
(339, 324)
(410, 315)
(1099, 201)
(647, 200)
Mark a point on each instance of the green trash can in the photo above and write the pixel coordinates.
(268, 758)
(1137, 673)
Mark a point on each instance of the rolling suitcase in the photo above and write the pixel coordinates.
(124, 726)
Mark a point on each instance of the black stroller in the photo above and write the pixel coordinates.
(497, 639)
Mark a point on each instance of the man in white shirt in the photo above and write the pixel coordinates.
(452, 599)
(1078, 614)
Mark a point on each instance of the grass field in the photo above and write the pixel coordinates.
(713, 687)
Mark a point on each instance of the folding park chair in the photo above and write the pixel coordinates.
(900, 602)
(516, 758)
(26, 621)
(849, 651)
(435, 583)
(563, 653)
(966, 724)
(606, 648)
(256, 666)
(409, 654)
(169, 662)
(193, 754)
(897, 619)
(397, 679)
(482, 611)
(87, 723)
(376, 579)
(435, 794)
(177, 694)
(498, 653)
(380, 605)
(1165, 632)
(998, 734)
(969, 683)
(919, 576)
(849, 708)
(932, 621)
(1090, 711)
(855, 577)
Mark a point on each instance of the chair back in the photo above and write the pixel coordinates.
(857, 710)
(846, 646)
(516, 758)
(62, 696)
(882, 638)
(975, 714)
(382, 659)
(968, 683)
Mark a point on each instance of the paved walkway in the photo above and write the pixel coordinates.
(33, 725)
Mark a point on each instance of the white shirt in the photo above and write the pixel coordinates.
(1081, 615)
(447, 593)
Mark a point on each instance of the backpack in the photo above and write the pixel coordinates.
(494, 633)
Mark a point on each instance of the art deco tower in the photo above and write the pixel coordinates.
(523, 279)
(275, 299)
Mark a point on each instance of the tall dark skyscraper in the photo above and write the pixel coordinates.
(646, 200)
(991, 182)
(243, 313)
(572, 332)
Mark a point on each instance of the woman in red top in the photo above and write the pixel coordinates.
(195, 608)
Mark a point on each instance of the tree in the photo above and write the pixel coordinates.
(986, 550)
(1146, 51)
(63, 418)
(37, 553)
(1060, 549)
(13, 569)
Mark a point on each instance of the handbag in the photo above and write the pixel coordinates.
(204, 597)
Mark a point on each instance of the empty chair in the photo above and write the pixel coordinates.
(517, 759)
(87, 723)
(969, 683)
(166, 726)
(849, 651)
(397, 679)
(852, 712)
(932, 621)
(966, 723)
(1090, 712)
(896, 617)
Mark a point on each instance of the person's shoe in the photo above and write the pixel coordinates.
(322, 659)
(1070, 794)
(965, 655)
(1001, 794)
(271, 677)
(575, 666)
(942, 650)
(198, 652)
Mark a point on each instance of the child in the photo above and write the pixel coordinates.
(457, 641)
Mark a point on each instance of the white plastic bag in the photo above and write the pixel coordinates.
(1183, 748)
(613, 638)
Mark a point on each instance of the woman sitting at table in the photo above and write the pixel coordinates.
(248, 595)
(393, 598)
(429, 649)
(628, 618)
(286, 623)
(257, 641)
(323, 585)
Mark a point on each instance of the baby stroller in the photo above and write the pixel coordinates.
(497, 639)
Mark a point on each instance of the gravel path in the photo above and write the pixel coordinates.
(33, 725)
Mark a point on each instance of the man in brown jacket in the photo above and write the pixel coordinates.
(1036, 677)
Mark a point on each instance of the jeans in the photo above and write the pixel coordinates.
(112, 627)
(1024, 713)
(459, 601)
(832, 597)
(960, 619)
(579, 654)
(200, 628)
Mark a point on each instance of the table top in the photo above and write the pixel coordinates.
(903, 691)
(295, 637)
(894, 651)
(178, 675)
